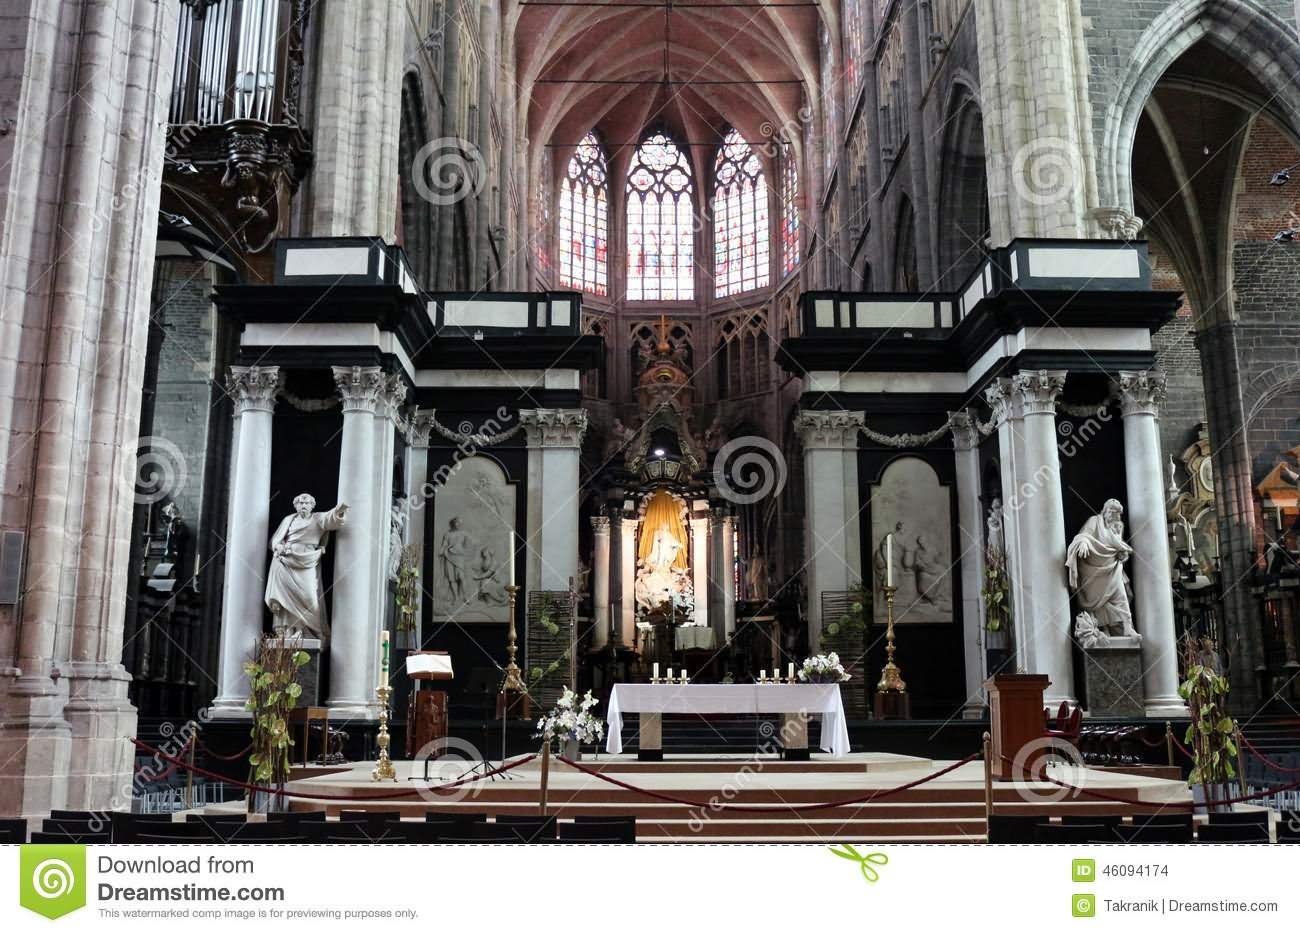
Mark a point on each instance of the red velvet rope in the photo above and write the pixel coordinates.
(235, 757)
(298, 794)
(171, 769)
(1268, 761)
(740, 808)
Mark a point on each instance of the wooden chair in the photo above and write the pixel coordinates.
(506, 832)
(605, 830)
(1071, 834)
(535, 827)
(1233, 832)
(1153, 833)
(85, 839)
(1012, 830)
(1240, 818)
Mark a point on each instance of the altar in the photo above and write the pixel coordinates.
(651, 701)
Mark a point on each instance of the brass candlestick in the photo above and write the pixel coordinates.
(513, 681)
(384, 770)
(891, 678)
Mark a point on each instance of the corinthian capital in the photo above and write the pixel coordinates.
(554, 427)
(392, 395)
(1001, 400)
(1037, 390)
(254, 387)
(829, 430)
(359, 386)
(1140, 393)
(965, 434)
(420, 427)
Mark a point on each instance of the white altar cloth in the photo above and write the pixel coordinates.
(815, 699)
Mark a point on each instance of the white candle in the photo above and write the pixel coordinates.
(685, 679)
(383, 657)
(510, 558)
(789, 672)
(762, 675)
(889, 559)
(655, 675)
(670, 673)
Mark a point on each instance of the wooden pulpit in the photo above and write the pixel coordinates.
(427, 717)
(1015, 720)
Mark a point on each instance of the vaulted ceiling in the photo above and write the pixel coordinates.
(746, 64)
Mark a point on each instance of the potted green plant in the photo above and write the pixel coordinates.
(273, 693)
(1211, 730)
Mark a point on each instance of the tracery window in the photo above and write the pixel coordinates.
(584, 214)
(741, 234)
(660, 222)
(789, 210)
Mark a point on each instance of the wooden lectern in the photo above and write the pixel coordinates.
(1015, 720)
(427, 718)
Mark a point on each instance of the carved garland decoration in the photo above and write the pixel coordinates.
(465, 433)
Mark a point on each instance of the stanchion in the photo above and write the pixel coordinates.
(1169, 741)
(988, 784)
(546, 773)
(1240, 741)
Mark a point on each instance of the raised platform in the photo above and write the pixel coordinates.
(947, 809)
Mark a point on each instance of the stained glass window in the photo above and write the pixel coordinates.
(789, 210)
(660, 222)
(584, 211)
(741, 235)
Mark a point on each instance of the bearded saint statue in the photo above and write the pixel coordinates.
(294, 592)
(1095, 561)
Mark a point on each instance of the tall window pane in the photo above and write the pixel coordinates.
(789, 210)
(741, 233)
(584, 196)
(660, 223)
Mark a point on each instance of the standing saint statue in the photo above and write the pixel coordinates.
(294, 591)
(453, 553)
(1095, 561)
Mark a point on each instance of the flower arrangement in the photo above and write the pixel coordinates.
(571, 720)
(273, 693)
(823, 669)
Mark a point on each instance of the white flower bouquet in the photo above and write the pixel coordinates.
(572, 720)
(823, 669)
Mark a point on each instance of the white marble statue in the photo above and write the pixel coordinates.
(453, 553)
(294, 591)
(997, 542)
(1095, 561)
(396, 537)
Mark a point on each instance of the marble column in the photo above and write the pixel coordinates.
(970, 529)
(387, 422)
(1008, 419)
(700, 565)
(243, 591)
(833, 548)
(352, 677)
(625, 609)
(1040, 514)
(600, 571)
(419, 501)
(554, 445)
(1140, 396)
(720, 580)
(728, 577)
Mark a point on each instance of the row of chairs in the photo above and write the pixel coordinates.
(1235, 827)
(353, 827)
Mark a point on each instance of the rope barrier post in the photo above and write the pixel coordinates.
(546, 773)
(189, 772)
(1241, 759)
(988, 784)
(1169, 741)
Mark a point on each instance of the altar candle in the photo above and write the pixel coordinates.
(889, 559)
(670, 673)
(789, 672)
(685, 679)
(762, 675)
(655, 675)
(383, 657)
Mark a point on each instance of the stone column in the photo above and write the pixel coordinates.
(1040, 533)
(352, 677)
(833, 550)
(970, 527)
(1140, 396)
(625, 611)
(600, 570)
(554, 445)
(720, 578)
(419, 499)
(387, 422)
(728, 578)
(1009, 421)
(253, 390)
(700, 565)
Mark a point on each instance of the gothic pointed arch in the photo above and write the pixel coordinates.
(660, 221)
(741, 232)
(584, 218)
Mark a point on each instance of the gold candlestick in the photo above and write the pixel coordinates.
(513, 681)
(891, 678)
(384, 767)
